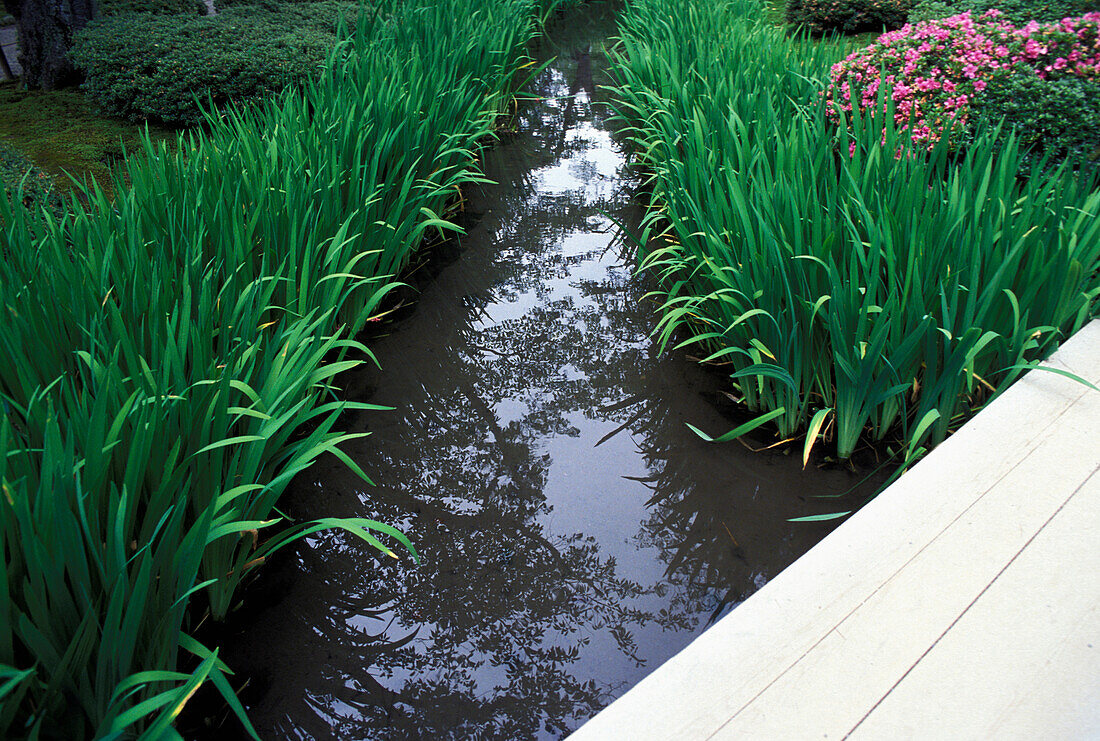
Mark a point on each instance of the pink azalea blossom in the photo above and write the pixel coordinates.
(936, 69)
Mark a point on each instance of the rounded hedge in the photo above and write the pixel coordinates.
(847, 16)
(110, 8)
(224, 4)
(146, 67)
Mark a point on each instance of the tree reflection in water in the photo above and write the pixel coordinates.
(538, 459)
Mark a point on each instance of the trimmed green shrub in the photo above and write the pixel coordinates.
(223, 4)
(1016, 12)
(1059, 118)
(847, 16)
(110, 8)
(152, 68)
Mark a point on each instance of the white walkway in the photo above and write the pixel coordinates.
(961, 603)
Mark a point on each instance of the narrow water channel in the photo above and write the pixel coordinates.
(574, 533)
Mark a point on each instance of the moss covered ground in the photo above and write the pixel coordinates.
(61, 133)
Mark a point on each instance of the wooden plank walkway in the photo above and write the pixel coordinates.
(961, 603)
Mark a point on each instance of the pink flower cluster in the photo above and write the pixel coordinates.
(1069, 47)
(933, 70)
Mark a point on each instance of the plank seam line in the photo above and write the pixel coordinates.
(973, 601)
(1040, 434)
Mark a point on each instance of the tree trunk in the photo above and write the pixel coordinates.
(46, 31)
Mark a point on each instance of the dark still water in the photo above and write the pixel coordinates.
(574, 533)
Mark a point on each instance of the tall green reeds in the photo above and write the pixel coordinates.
(170, 353)
(855, 288)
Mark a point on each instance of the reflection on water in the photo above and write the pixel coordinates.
(574, 533)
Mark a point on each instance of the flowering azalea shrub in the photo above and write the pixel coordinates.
(936, 71)
(847, 16)
(1069, 47)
